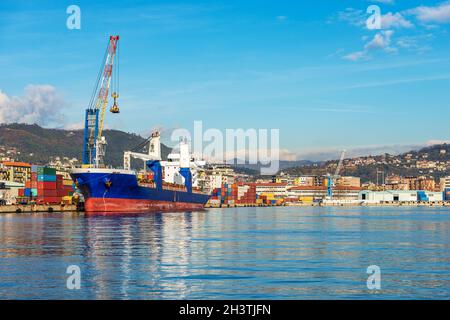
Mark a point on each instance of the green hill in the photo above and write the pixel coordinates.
(37, 145)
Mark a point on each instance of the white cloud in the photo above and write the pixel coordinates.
(353, 17)
(381, 41)
(323, 154)
(436, 14)
(417, 44)
(355, 56)
(390, 20)
(74, 126)
(40, 104)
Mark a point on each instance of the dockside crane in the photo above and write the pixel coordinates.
(94, 143)
(331, 179)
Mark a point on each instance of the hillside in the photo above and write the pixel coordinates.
(38, 145)
(430, 161)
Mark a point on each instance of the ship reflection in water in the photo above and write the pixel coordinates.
(244, 253)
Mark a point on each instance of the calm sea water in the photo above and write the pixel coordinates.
(244, 253)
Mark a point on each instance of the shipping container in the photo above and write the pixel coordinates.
(50, 200)
(46, 171)
(46, 177)
(47, 193)
(67, 182)
(27, 192)
(46, 185)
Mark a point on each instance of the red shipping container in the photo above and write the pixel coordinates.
(28, 184)
(21, 192)
(51, 200)
(34, 176)
(34, 184)
(47, 193)
(59, 177)
(48, 185)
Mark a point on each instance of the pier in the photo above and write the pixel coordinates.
(31, 208)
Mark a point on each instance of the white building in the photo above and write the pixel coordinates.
(220, 174)
(397, 196)
(434, 196)
(277, 189)
(445, 183)
(387, 196)
(11, 191)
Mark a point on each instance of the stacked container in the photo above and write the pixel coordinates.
(46, 185)
(247, 194)
(236, 193)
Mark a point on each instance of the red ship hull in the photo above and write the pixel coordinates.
(137, 205)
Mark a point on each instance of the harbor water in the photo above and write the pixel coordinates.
(236, 253)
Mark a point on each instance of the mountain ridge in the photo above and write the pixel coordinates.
(39, 145)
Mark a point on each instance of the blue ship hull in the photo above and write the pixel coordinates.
(108, 190)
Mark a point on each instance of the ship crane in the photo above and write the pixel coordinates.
(181, 163)
(154, 152)
(331, 179)
(94, 143)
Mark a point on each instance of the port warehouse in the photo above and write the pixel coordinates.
(23, 182)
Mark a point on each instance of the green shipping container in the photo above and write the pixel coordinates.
(34, 192)
(46, 171)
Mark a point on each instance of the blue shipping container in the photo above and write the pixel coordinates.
(447, 194)
(422, 196)
(46, 177)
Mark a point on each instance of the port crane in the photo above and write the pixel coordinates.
(94, 143)
(154, 152)
(331, 179)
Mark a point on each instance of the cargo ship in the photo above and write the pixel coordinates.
(169, 185)
(123, 190)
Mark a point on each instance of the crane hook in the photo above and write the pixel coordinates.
(114, 108)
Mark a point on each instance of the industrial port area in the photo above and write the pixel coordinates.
(236, 151)
(28, 187)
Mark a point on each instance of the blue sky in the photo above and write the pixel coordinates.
(312, 69)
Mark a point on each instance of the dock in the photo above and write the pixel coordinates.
(31, 208)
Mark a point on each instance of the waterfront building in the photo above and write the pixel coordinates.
(12, 171)
(399, 196)
(271, 188)
(348, 181)
(307, 194)
(444, 183)
(218, 175)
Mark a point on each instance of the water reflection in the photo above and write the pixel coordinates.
(267, 253)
